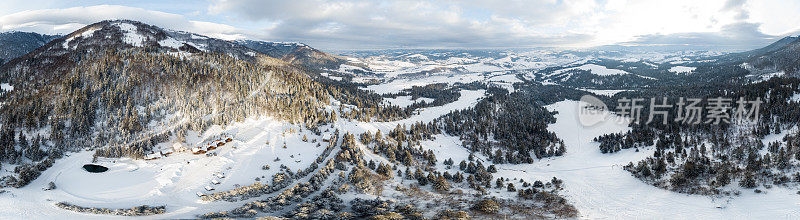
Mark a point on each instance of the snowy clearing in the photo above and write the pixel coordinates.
(6, 87)
(85, 34)
(768, 76)
(605, 92)
(682, 69)
(170, 42)
(131, 35)
(595, 69)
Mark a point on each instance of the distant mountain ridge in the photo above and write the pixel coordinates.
(780, 56)
(295, 53)
(16, 43)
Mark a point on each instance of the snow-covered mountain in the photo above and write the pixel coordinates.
(117, 85)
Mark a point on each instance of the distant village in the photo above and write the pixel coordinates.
(205, 147)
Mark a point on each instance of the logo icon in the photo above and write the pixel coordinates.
(592, 111)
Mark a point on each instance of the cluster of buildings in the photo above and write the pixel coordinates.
(212, 144)
(158, 154)
(203, 148)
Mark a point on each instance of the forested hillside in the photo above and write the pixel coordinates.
(100, 91)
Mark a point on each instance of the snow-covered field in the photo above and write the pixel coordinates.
(468, 99)
(605, 92)
(398, 85)
(403, 101)
(172, 181)
(768, 76)
(682, 69)
(394, 64)
(595, 69)
(600, 189)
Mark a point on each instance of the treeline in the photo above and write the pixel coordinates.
(402, 145)
(704, 158)
(508, 128)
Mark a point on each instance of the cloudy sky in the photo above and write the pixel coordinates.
(375, 24)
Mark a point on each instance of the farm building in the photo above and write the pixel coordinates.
(166, 152)
(219, 175)
(199, 150)
(212, 144)
(152, 156)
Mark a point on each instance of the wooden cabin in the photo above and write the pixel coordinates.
(199, 150)
(152, 156)
(166, 152)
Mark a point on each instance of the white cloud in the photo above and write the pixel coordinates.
(776, 17)
(63, 21)
(379, 24)
(736, 36)
(491, 23)
(360, 24)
